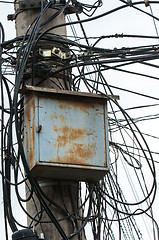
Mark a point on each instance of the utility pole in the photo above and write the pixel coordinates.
(56, 191)
(65, 133)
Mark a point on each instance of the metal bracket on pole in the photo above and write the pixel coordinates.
(28, 4)
(24, 5)
(33, 4)
(54, 52)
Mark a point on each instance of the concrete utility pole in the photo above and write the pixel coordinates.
(53, 189)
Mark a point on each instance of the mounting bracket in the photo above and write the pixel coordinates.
(32, 4)
(28, 4)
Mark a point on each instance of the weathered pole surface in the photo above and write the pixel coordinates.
(57, 191)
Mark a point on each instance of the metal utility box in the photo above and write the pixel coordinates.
(65, 134)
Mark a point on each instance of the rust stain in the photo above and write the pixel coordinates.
(83, 152)
(32, 154)
(79, 154)
(55, 128)
(53, 116)
(27, 111)
(32, 157)
(69, 160)
(63, 106)
(105, 140)
(82, 106)
(62, 118)
(69, 135)
(30, 118)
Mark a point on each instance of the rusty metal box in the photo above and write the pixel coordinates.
(65, 134)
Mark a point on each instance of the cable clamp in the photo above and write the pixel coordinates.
(25, 5)
(45, 52)
(28, 4)
(146, 3)
(130, 3)
(55, 51)
(76, 7)
(59, 53)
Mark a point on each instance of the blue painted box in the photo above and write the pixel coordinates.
(65, 134)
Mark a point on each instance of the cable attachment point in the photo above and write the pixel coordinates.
(63, 2)
(130, 3)
(76, 7)
(28, 4)
(146, 3)
(54, 52)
